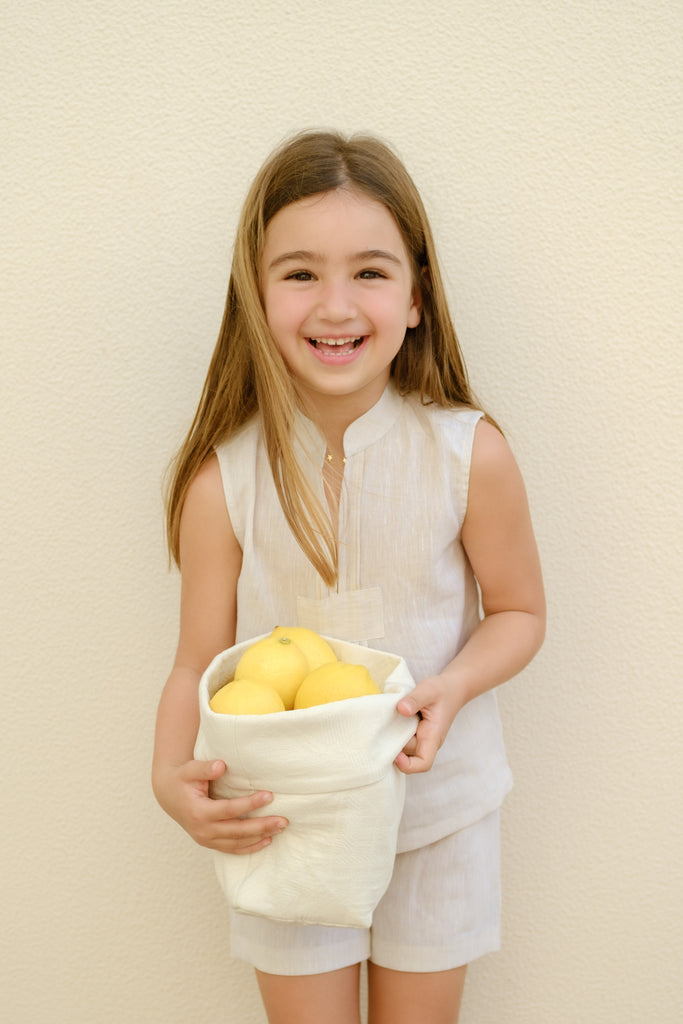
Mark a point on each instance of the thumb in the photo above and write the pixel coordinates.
(406, 706)
(410, 705)
(419, 697)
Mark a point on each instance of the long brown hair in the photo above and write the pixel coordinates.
(247, 372)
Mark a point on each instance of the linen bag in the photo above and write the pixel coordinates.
(330, 769)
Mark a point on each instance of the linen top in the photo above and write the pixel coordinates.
(405, 584)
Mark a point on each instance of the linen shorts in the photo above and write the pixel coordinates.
(440, 911)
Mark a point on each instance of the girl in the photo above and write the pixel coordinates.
(339, 475)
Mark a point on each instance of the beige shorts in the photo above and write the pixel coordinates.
(441, 910)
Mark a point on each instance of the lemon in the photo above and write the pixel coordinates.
(246, 697)
(336, 681)
(276, 661)
(316, 650)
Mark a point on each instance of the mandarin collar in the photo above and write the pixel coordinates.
(360, 434)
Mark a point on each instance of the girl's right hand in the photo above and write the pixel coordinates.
(219, 824)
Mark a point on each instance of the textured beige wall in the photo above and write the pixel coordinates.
(546, 139)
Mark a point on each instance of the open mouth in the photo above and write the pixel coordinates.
(340, 346)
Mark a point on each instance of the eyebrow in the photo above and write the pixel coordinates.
(307, 256)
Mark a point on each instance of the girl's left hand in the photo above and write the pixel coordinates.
(437, 702)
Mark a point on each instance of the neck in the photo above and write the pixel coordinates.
(334, 414)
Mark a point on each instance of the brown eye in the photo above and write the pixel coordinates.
(299, 275)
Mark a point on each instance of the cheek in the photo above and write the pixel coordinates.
(275, 312)
(398, 311)
(283, 311)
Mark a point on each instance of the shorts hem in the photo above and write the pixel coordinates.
(427, 960)
(297, 961)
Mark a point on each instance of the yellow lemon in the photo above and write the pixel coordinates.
(336, 681)
(316, 650)
(246, 697)
(276, 661)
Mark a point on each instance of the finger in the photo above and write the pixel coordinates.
(246, 835)
(412, 764)
(248, 828)
(203, 771)
(420, 756)
(411, 746)
(238, 849)
(251, 830)
(254, 848)
(239, 806)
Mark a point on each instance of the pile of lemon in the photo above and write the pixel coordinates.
(293, 668)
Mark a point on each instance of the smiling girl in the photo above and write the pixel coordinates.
(339, 475)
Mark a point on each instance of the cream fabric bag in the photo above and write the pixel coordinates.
(330, 769)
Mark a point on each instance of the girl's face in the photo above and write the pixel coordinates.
(338, 296)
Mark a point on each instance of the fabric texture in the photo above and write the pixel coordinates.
(405, 584)
(440, 911)
(332, 774)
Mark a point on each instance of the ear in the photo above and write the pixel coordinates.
(415, 310)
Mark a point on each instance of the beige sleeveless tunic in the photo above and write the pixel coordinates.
(405, 584)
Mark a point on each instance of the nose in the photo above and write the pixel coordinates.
(337, 302)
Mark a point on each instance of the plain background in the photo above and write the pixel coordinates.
(546, 140)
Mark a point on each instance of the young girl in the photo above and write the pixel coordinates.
(339, 475)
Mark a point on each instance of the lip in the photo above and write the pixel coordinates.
(331, 356)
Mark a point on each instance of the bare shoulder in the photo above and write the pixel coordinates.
(205, 491)
(210, 563)
(497, 533)
(205, 518)
(493, 467)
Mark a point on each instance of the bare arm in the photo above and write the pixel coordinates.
(499, 541)
(211, 560)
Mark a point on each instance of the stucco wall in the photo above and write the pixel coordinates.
(545, 137)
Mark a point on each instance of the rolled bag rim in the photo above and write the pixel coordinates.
(341, 738)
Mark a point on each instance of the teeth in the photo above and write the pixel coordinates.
(334, 341)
